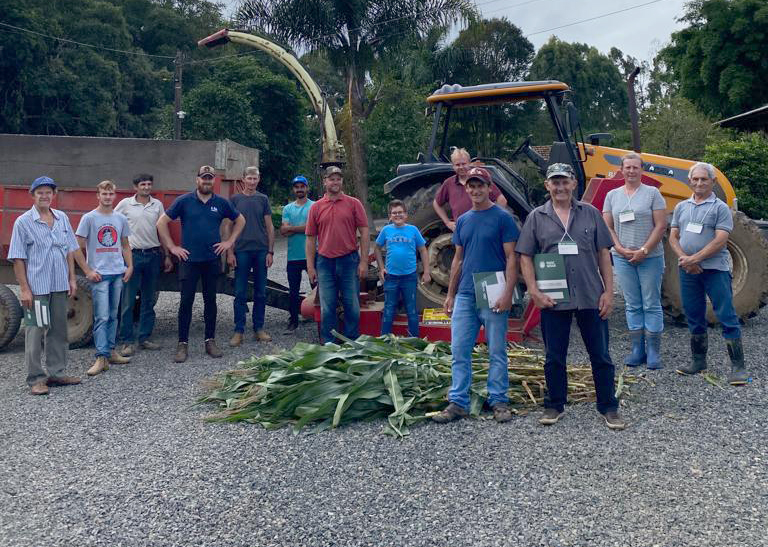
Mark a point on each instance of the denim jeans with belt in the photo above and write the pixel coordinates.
(394, 286)
(146, 270)
(337, 279)
(247, 262)
(189, 274)
(106, 303)
(556, 331)
(694, 288)
(641, 285)
(465, 325)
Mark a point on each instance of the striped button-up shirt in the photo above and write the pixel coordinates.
(44, 249)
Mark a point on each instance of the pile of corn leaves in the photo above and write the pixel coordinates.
(404, 380)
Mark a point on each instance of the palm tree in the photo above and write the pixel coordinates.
(355, 34)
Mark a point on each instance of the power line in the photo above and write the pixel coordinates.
(592, 18)
(67, 40)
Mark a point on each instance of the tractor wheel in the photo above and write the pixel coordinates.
(439, 246)
(748, 251)
(80, 315)
(10, 316)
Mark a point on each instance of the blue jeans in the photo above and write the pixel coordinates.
(717, 285)
(146, 270)
(106, 302)
(465, 325)
(556, 331)
(247, 262)
(337, 278)
(394, 286)
(641, 285)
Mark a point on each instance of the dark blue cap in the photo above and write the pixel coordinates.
(300, 179)
(42, 181)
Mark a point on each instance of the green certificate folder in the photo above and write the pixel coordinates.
(550, 276)
(489, 287)
(39, 314)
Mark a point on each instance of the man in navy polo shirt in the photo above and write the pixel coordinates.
(201, 213)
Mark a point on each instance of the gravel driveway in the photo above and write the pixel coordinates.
(125, 459)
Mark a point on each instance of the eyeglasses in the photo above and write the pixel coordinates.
(397, 214)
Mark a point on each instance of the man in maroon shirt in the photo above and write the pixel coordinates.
(332, 254)
(453, 191)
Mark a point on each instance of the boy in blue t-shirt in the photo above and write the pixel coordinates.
(400, 277)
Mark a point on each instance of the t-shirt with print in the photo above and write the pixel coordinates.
(401, 244)
(254, 208)
(104, 234)
(634, 233)
(482, 235)
(296, 215)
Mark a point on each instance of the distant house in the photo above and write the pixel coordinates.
(754, 120)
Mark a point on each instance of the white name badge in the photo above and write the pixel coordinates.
(694, 227)
(626, 216)
(567, 248)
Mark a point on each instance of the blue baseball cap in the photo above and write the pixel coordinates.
(300, 179)
(41, 181)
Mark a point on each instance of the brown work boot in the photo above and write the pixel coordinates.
(126, 350)
(149, 345)
(181, 352)
(262, 336)
(99, 365)
(212, 349)
(40, 388)
(117, 359)
(236, 340)
(63, 381)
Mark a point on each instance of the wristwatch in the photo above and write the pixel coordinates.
(645, 251)
(272, 252)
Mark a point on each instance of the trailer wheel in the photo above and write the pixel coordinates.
(748, 251)
(80, 315)
(10, 316)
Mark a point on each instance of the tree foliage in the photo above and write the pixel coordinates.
(719, 61)
(598, 88)
(675, 127)
(742, 160)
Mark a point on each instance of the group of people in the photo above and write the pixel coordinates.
(128, 245)
(633, 222)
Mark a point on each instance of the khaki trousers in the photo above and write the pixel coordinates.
(54, 337)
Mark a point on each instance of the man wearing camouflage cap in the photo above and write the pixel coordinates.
(576, 232)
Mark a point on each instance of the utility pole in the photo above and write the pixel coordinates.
(178, 113)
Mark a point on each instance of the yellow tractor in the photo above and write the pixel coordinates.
(595, 165)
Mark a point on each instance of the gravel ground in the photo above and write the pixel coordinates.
(126, 459)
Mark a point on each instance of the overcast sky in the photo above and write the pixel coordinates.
(639, 32)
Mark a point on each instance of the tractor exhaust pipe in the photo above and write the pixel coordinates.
(632, 103)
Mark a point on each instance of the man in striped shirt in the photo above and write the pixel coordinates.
(44, 250)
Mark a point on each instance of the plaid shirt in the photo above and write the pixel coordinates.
(44, 249)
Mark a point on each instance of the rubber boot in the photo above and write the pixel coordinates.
(738, 376)
(653, 341)
(699, 346)
(637, 357)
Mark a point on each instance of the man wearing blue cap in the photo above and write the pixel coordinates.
(294, 222)
(44, 250)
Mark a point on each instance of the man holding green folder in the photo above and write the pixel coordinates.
(485, 243)
(565, 259)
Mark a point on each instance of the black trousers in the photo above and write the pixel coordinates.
(294, 269)
(189, 273)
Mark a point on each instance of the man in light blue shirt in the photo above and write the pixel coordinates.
(294, 222)
(699, 235)
(43, 250)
